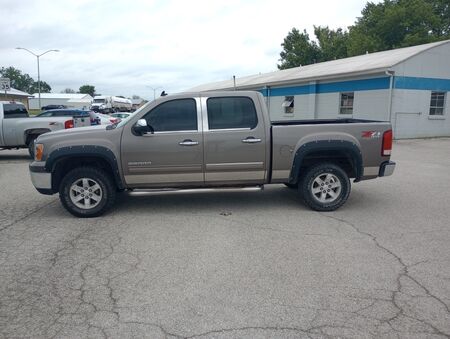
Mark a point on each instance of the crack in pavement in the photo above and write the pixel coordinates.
(29, 214)
(404, 273)
(92, 301)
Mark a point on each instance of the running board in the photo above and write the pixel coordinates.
(203, 189)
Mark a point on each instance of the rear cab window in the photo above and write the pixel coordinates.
(11, 111)
(231, 113)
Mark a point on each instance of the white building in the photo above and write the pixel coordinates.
(71, 100)
(407, 86)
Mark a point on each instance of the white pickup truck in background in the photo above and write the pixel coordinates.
(19, 130)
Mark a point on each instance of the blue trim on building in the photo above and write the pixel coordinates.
(431, 84)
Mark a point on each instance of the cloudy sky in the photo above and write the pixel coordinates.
(127, 47)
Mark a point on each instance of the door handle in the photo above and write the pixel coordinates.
(251, 140)
(188, 142)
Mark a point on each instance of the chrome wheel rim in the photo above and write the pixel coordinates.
(85, 193)
(326, 188)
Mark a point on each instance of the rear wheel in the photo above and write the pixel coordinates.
(87, 192)
(325, 187)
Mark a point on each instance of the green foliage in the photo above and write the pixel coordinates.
(393, 24)
(22, 81)
(332, 43)
(383, 26)
(87, 89)
(68, 90)
(45, 88)
(298, 50)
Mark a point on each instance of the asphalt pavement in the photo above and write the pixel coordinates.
(232, 264)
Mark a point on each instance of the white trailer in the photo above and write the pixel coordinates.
(110, 104)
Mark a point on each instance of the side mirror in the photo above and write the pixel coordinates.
(141, 127)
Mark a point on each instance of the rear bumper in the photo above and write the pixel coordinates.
(41, 179)
(387, 169)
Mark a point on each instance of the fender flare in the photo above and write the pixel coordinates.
(34, 131)
(327, 145)
(87, 151)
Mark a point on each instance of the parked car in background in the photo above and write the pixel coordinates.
(121, 115)
(45, 108)
(95, 120)
(106, 119)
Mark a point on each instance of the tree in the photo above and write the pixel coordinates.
(298, 50)
(68, 90)
(45, 88)
(332, 43)
(383, 26)
(399, 23)
(22, 81)
(87, 89)
(441, 9)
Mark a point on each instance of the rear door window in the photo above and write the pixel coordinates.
(231, 113)
(14, 111)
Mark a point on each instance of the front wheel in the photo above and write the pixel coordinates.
(87, 192)
(325, 187)
(31, 146)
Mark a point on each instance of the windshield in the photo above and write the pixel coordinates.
(99, 101)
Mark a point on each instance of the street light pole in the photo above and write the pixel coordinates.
(154, 91)
(39, 73)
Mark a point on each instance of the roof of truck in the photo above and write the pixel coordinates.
(361, 64)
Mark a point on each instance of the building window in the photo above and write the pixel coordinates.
(437, 103)
(346, 106)
(288, 104)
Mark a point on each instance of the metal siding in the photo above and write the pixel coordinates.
(433, 63)
(372, 105)
(328, 106)
(423, 83)
(410, 115)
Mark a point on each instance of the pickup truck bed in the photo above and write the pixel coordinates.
(19, 130)
(210, 139)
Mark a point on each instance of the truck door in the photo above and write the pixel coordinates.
(172, 156)
(235, 141)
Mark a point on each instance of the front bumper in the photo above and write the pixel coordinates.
(387, 168)
(41, 179)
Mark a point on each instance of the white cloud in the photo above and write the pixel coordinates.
(122, 47)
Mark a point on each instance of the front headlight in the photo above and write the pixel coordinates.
(38, 151)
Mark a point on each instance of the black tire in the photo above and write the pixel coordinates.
(106, 192)
(293, 186)
(31, 145)
(333, 191)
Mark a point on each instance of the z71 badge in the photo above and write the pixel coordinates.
(371, 134)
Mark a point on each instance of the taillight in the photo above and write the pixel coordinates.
(68, 124)
(386, 149)
(114, 120)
